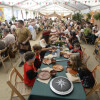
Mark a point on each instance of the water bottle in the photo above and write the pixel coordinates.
(58, 51)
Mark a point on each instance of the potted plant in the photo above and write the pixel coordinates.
(26, 14)
(77, 17)
(97, 16)
(88, 17)
(13, 18)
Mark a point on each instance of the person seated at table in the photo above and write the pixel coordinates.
(2, 45)
(85, 75)
(97, 47)
(45, 44)
(75, 62)
(71, 40)
(77, 49)
(37, 49)
(54, 38)
(68, 30)
(87, 33)
(95, 36)
(30, 71)
(47, 31)
(95, 29)
(8, 38)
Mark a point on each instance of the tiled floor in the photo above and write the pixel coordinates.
(5, 91)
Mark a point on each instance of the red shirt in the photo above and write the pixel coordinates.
(26, 79)
(71, 47)
(38, 59)
(81, 53)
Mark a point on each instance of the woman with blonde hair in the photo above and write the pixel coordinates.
(75, 61)
(85, 75)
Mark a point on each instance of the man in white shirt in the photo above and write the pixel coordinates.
(95, 29)
(8, 38)
(98, 33)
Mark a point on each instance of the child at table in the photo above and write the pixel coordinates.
(85, 75)
(37, 49)
(97, 47)
(72, 40)
(77, 49)
(30, 71)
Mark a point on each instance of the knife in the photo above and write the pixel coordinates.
(62, 60)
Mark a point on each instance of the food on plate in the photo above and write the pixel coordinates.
(66, 55)
(71, 71)
(44, 75)
(47, 61)
(58, 67)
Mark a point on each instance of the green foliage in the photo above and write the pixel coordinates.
(60, 44)
(87, 31)
(87, 20)
(88, 15)
(77, 17)
(97, 16)
(13, 18)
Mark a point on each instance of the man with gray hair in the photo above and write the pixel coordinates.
(8, 38)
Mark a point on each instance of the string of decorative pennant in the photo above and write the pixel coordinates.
(49, 3)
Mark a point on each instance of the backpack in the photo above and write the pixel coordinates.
(87, 78)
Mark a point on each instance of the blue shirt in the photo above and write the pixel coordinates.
(30, 27)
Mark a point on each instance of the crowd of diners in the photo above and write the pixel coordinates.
(22, 32)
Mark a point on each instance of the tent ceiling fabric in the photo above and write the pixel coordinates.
(49, 6)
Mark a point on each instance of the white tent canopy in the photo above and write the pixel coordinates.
(36, 4)
(48, 7)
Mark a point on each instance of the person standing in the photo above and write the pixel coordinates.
(32, 30)
(23, 36)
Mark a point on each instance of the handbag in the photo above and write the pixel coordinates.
(24, 47)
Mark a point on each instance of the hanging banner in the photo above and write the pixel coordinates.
(2, 18)
(49, 3)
